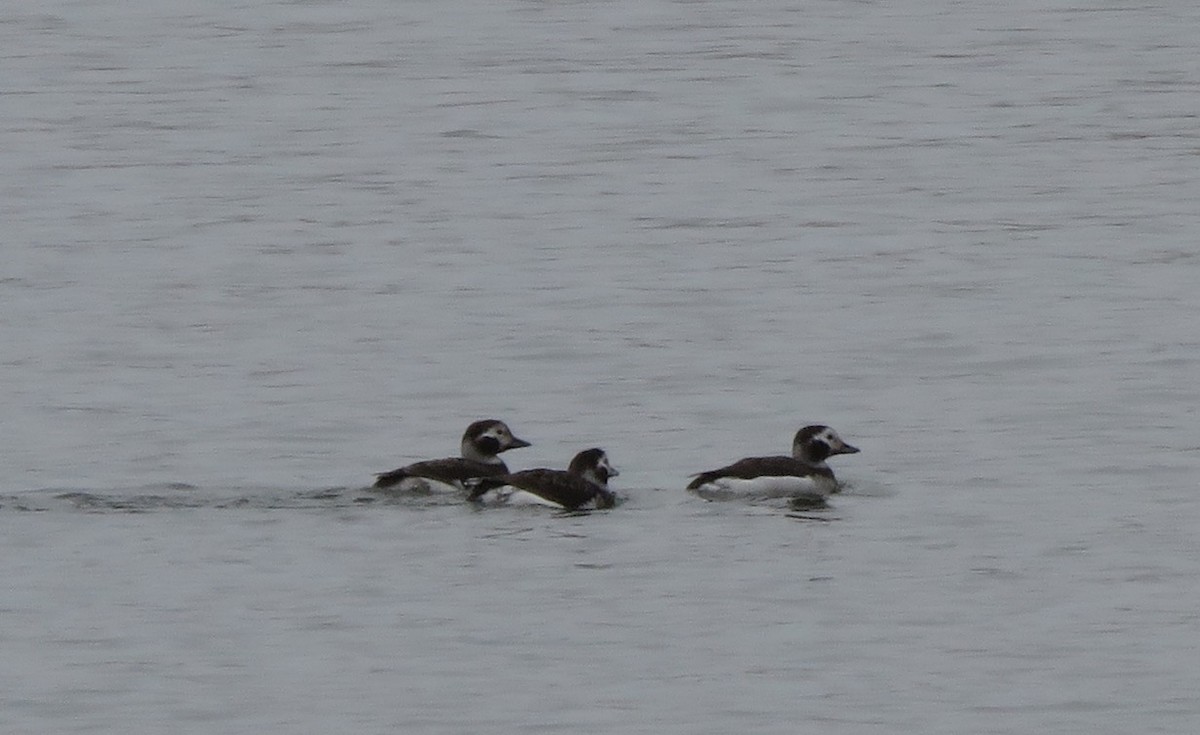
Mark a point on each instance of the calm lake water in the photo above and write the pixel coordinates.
(255, 252)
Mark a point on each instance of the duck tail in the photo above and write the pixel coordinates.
(390, 479)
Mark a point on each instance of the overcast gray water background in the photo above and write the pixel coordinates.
(255, 252)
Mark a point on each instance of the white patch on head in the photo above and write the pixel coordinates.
(830, 437)
(605, 465)
(803, 448)
(503, 436)
(497, 432)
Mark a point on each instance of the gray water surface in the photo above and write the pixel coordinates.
(255, 252)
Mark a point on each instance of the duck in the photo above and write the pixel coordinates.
(803, 475)
(482, 443)
(583, 485)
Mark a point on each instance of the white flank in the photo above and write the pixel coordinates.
(426, 486)
(763, 487)
(508, 495)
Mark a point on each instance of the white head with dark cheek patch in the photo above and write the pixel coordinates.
(605, 469)
(485, 439)
(594, 466)
(813, 444)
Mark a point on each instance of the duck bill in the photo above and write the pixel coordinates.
(516, 443)
(846, 449)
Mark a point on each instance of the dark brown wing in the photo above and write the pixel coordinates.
(450, 470)
(568, 490)
(752, 467)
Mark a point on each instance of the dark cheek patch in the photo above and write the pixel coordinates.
(489, 444)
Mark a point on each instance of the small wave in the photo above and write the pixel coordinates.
(182, 496)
